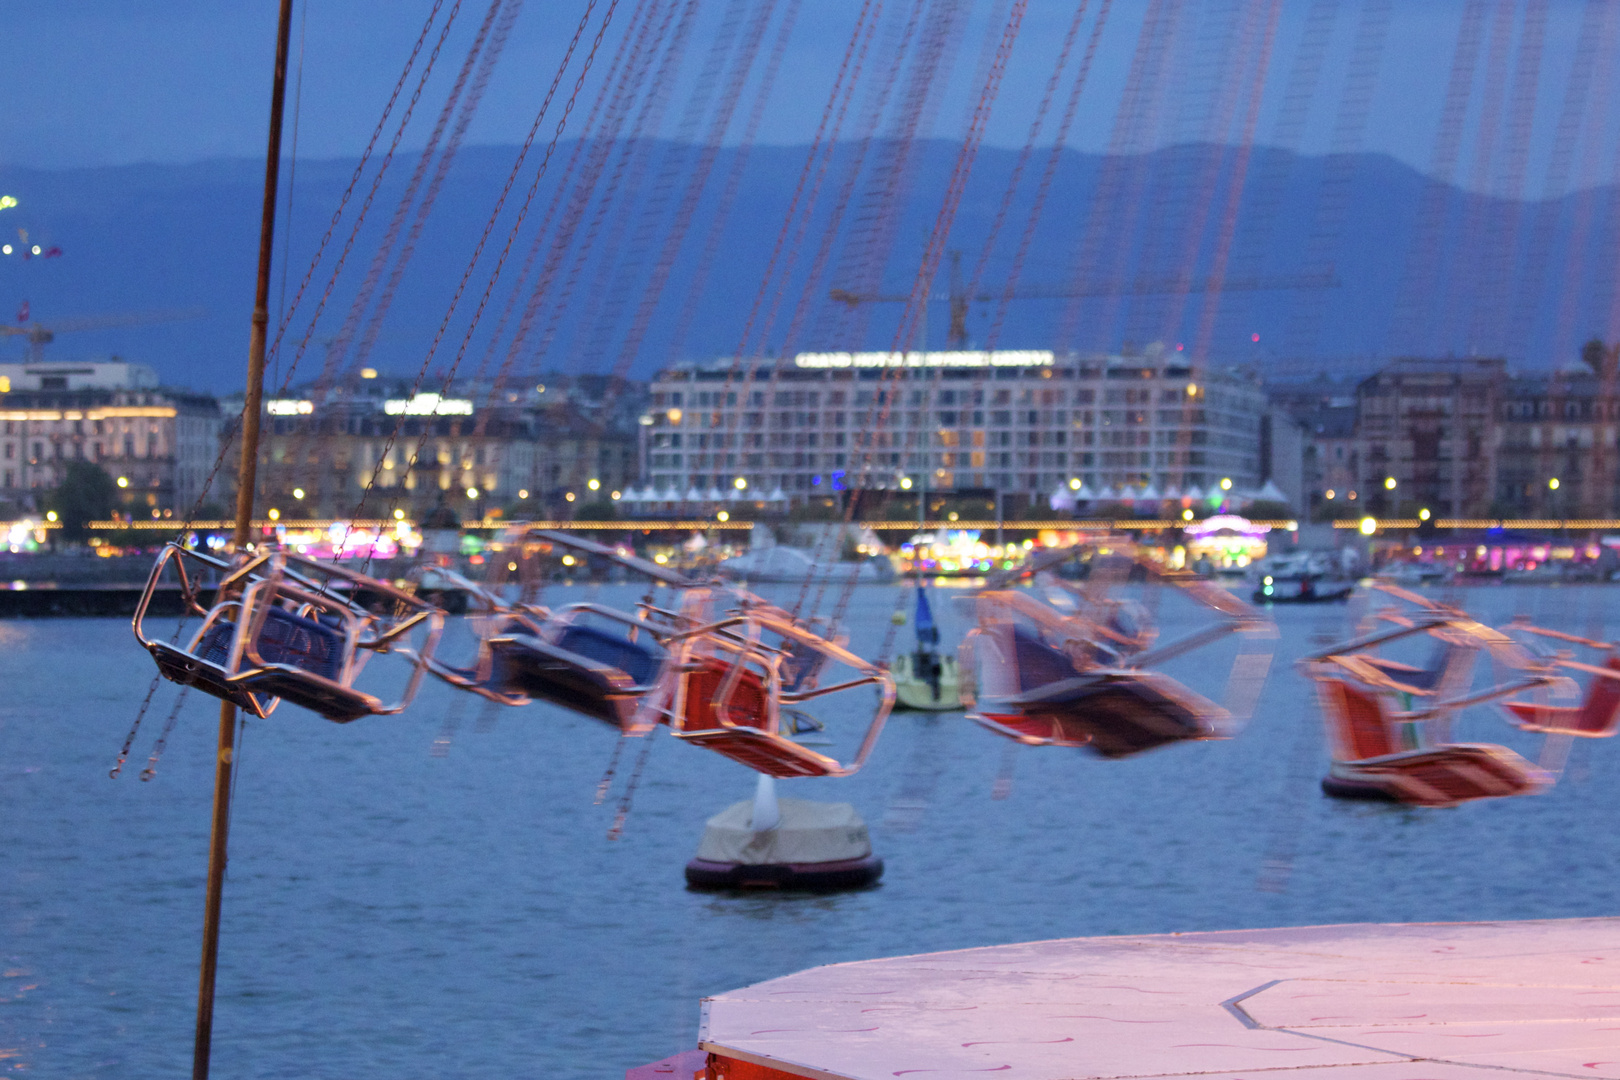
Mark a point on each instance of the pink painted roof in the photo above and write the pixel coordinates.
(1447, 1001)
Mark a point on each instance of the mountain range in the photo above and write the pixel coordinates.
(1381, 260)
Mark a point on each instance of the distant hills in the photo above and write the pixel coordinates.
(1419, 268)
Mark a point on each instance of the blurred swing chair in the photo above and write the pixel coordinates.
(1083, 677)
(1597, 714)
(735, 685)
(1389, 722)
(588, 658)
(284, 627)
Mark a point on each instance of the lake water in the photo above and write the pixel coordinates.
(393, 912)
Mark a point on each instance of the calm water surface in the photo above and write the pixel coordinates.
(392, 912)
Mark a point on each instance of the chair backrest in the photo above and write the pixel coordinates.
(746, 702)
(296, 641)
(1038, 664)
(800, 667)
(636, 659)
(1601, 709)
(1356, 719)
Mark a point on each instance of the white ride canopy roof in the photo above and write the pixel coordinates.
(1446, 1001)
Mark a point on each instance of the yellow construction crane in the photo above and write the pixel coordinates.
(959, 299)
(39, 336)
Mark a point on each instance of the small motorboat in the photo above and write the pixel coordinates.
(1306, 589)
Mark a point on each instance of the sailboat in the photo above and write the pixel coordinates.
(924, 679)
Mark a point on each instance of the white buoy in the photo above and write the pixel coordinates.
(784, 844)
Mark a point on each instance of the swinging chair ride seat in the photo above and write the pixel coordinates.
(727, 690)
(585, 668)
(1596, 717)
(290, 628)
(1370, 765)
(1116, 712)
(738, 725)
(1445, 776)
(203, 667)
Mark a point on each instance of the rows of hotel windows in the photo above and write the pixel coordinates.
(1027, 436)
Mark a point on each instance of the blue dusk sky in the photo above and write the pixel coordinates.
(103, 82)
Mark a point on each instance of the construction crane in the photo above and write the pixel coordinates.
(39, 336)
(959, 299)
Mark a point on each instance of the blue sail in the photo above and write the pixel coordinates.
(927, 632)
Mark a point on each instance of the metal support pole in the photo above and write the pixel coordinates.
(247, 480)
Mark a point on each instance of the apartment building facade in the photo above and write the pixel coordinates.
(379, 446)
(1020, 422)
(159, 444)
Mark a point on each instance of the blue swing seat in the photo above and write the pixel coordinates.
(586, 669)
(1113, 712)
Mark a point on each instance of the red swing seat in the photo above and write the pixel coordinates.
(1369, 764)
(739, 725)
(1596, 717)
(724, 691)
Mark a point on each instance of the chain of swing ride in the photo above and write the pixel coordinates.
(337, 347)
(868, 249)
(225, 447)
(392, 235)
(1453, 114)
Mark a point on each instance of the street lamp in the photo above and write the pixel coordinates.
(741, 483)
(1389, 483)
(1368, 526)
(1552, 485)
(1226, 483)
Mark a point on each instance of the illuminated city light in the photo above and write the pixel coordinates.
(428, 405)
(974, 358)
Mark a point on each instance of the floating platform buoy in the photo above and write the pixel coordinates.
(794, 844)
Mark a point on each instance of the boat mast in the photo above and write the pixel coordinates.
(247, 480)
